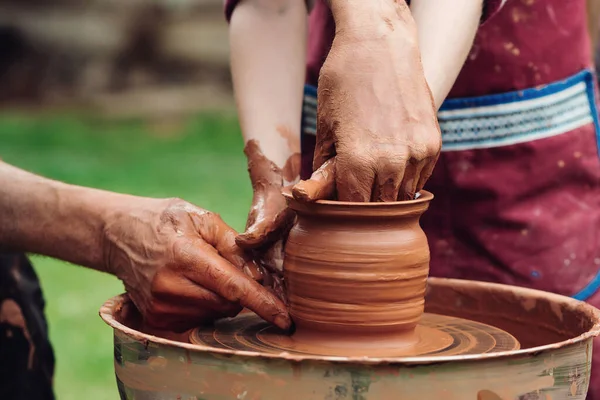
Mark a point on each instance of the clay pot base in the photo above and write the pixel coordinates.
(436, 335)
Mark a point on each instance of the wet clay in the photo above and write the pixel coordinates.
(269, 215)
(292, 138)
(357, 272)
(291, 169)
(436, 335)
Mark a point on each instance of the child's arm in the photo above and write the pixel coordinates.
(446, 30)
(268, 52)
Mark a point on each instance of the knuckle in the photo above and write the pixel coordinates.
(229, 245)
(419, 155)
(212, 216)
(426, 150)
(329, 74)
(174, 204)
(185, 255)
(393, 160)
(433, 147)
(172, 210)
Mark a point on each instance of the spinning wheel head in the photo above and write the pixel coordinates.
(436, 335)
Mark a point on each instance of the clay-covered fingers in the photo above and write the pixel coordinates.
(170, 287)
(426, 172)
(268, 220)
(325, 148)
(423, 164)
(320, 186)
(411, 179)
(180, 304)
(390, 172)
(181, 317)
(204, 266)
(222, 237)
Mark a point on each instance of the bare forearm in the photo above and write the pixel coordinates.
(47, 217)
(446, 30)
(593, 12)
(372, 19)
(268, 51)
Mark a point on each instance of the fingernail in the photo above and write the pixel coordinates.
(283, 321)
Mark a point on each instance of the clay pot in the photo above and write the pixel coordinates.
(355, 269)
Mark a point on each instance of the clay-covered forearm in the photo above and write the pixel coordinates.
(268, 50)
(446, 30)
(51, 218)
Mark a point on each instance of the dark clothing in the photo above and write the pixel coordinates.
(26, 355)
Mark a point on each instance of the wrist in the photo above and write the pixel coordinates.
(122, 221)
(372, 19)
(264, 173)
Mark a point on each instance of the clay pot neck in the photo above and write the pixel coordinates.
(361, 211)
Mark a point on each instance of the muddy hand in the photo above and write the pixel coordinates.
(181, 266)
(269, 219)
(376, 118)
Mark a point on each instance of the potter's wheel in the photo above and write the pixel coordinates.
(436, 335)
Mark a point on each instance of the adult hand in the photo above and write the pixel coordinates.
(376, 118)
(181, 266)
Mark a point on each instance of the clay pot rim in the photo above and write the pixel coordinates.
(107, 310)
(425, 197)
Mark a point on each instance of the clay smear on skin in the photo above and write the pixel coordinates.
(291, 169)
(268, 202)
(292, 138)
(266, 175)
(269, 210)
(292, 166)
(267, 181)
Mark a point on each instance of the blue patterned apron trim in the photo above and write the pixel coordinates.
(589, 290)
(309, 110)
(504, 119)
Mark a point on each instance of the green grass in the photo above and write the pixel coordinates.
(200, 161)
